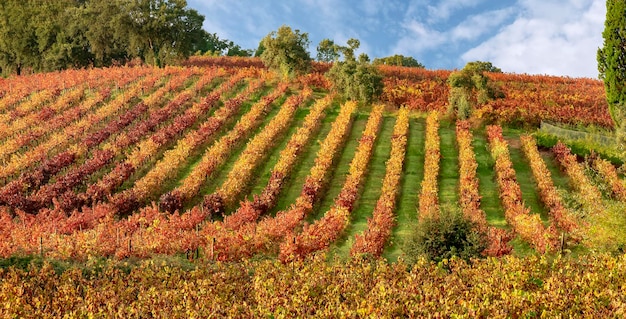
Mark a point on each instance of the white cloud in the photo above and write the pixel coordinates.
(420, 37)
(477, 25)
(548, 37)
(444, 9)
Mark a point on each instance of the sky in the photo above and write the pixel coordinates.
(554, 37)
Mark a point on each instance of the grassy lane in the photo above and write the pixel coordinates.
(449, 165)
(195, 156)
(265, 170)
(221, 173)
(261, 176)
(371, 189)
(229, 125)
(163, 102)
(293, 186)
(524, 175)
(559, 178)
(144, 169)
(341, 168)
(490, 202)
(406, 212)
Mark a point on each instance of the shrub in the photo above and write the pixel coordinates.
(458, 100)
(581, 147)
(442, 237)
(470, 87)
(355, 79)
(284, 51)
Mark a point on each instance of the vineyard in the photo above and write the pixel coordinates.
(222, 161)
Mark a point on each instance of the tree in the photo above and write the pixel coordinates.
(18, 39)
(355, 79)
(62, 37)
(481, 67)
(327, 51)
(398, 60)
(259, 50)
(470, 87)
(103, 21)
(285, 51)
(612, 63)
(160, 31)
(52, 35)
(236, 50)
(210, 44)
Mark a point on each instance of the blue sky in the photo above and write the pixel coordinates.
(553, 37)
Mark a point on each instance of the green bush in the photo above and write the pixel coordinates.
(285, 51)
(606, 231)
(581, 147)
(355, 79)
(470, 87)
(459, 102)
(444, 237)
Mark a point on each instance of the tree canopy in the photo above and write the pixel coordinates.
(356, 79)
(284, 51)
(470, 87)
(398, 60)
(52, 35)
(327, 51)
(480, 67)
(211, 44)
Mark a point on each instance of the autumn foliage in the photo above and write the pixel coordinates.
(379, 227)
(527, 225)
(325, 231)
(138, 161)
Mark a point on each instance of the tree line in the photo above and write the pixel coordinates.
(46, 35)
(355, 78)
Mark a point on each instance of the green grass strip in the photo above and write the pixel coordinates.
(490, 202)
(559, 178)
(449, 165)
(293, 187)
(372, 187)
(341, 168)
(221, 173)
(525, 178)
(265, 170)
(406, 212)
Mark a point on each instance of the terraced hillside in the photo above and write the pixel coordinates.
(229, 162)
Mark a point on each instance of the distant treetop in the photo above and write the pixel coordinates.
(328, 51)
(399, 60)
(480, 67)
(211, 44)
(52, 35)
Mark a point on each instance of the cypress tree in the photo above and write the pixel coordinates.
(612, 63)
